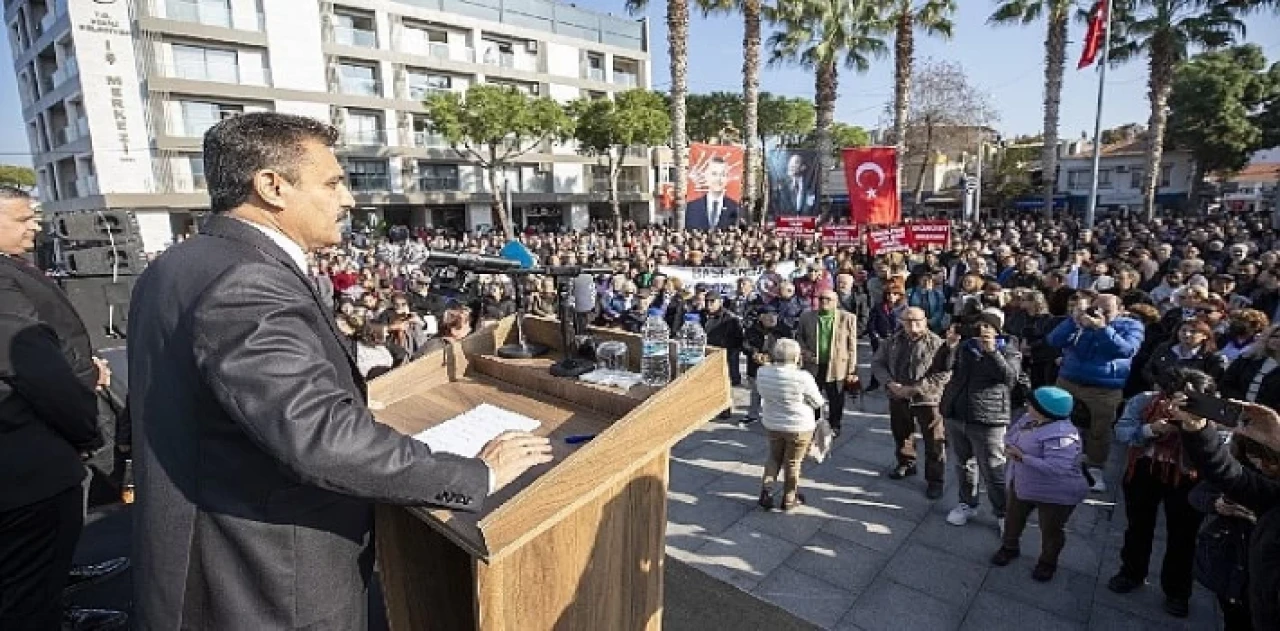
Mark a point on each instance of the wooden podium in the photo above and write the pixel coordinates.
(576, 544)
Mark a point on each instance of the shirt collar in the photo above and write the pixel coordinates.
(295, 252)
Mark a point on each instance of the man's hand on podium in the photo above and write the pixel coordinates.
(511, 454)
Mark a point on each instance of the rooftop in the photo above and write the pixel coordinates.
(1260, 172)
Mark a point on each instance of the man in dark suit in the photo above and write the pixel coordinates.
(715, 209)
(792, 192)
(257, 460)
(48, 426)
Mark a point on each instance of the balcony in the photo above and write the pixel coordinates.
(595, 74)
(429, 140)
(359, 86)
(439, 183)
(600, 185)
(75, 130)
(189, 183)
(625, 79)
(364, 137)
(511, 60)
(421, 92)
(198, 12)
(217, 73)
(86, 186)
(415, 45)
(367, 182)
(45, 24)
(358, 37)
(537, 183)
(70, 68)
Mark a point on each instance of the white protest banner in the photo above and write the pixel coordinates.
(722, 279)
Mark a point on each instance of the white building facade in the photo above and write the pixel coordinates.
(1120, 178)
(117, 94)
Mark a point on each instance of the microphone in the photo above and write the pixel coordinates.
(517, 251)
(470, 261)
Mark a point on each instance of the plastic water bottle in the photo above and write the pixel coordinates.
(655, 360)
(691, 343)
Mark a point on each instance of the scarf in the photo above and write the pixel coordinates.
(1166, 450)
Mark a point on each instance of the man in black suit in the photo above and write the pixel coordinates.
(48, 426)
(715, 209)
(792, 192)
(257, 460)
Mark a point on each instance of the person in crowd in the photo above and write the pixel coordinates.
(1157, 474)
(829, 339)
(851, 293)
(791, 399)
(1253, 376)
(757, 344)
(742, 300)
(928, 297)
(884, 317)
(724, 330)
(1039, 357)
(1127, 288)
(914, 366)
(1163, 295)
(1042, 472)
(372, 353)
(1057, 293)
(1244, 326)
(1153, 337)
(1098, 345)
(546, 301)
(968, 293)
(976, 407)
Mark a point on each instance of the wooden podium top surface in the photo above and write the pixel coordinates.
(631, 426)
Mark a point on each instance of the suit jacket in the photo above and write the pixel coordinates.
(843, 359)
(257, 462)
(48, 410)
(783, 197)
(697, 214)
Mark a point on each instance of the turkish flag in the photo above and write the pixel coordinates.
(1093, 37)
(871, 174)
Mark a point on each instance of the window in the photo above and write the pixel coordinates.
(198, 116)
(1104, 178)
(355, 79)
(210, 12)
(436, 36)
(1166, 175)
(363, 128)
(1078, 179)
(367, 175)
(205, 64)
(1135, 179)
(437, 177)
(354, 30)
(422, 85)
(197, 173)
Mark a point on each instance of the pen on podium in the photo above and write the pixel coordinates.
(578, 439)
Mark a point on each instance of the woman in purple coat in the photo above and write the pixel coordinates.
(1042, 473)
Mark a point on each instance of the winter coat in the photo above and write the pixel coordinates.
(724, 329)
(759, 339)
(1097, 357)
(925, 363)
(1166, 358)
(883, 320)
(1049, 471)
(788, 396)
(1240, 375)
(981, 386)
(934, 303)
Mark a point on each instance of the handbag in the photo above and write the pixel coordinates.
(820, 446)
(1222, 550)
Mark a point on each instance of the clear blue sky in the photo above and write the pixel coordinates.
(1007, 62)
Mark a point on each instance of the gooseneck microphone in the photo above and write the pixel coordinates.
(471, 261)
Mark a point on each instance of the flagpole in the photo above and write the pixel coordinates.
(1097, 123)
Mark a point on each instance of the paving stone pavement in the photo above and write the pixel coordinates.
(868, 553)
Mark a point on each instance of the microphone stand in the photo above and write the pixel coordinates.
(572, 324)
(521, 349)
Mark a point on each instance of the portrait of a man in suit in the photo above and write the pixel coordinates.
(793, 189)
(715, 209)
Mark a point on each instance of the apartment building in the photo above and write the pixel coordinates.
(116, 95)
(1120, 170)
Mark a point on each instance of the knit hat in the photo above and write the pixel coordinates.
(992, 316)
(1053, 402)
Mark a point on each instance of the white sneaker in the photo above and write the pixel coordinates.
(1099, 485)
(961, 514)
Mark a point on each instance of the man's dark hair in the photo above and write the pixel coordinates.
(12, 192)
(237, 148)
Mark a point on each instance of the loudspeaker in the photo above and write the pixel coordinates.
(103, 306)
(126, 258)
(98, 225)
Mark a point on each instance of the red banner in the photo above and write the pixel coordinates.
(886, 240)
(795, 227)
(871, 175)
(839, 236)
(923, 234)
(1093, 36)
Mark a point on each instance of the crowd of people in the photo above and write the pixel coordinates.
(1021, 353)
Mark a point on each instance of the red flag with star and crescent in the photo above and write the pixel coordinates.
(1093, 37)
(871, 174)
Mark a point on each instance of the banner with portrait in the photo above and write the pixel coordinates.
(713, 192)
(794, 186)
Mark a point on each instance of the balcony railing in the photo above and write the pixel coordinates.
(421, 92)
(625, 79)
(537, 184)
(75, 130)
(358, 37)
(45, 24)
(70, 68)
(86, 186)
(439, 183)
(426, 139)
(189, 183)
(595, 74)
(218, 73)
(82, 127)
(359, 87)
(511, 60)
(198, 12)
(364, 137)
(416, 45)
(367, 182)
(601, 185)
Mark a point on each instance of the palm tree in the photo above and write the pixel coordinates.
(752, 18)
(1057, 14)
(1168, 31)
(818, 35)
(933, 17)
(678, 50)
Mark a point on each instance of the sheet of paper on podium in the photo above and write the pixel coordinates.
(467, 433)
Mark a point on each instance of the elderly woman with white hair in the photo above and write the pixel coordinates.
(790, 400)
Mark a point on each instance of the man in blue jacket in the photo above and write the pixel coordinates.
(1098, 345)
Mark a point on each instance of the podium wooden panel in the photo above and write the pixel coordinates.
(576, 544)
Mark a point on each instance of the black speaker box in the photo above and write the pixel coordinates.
(97, 225)
(125, 258)
(103, 306)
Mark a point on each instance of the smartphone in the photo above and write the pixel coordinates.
(1093, 312)
(1216, 409)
